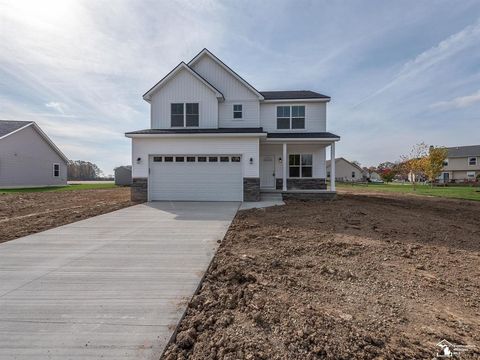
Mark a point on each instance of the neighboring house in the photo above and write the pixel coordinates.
(372, 175)
(213, 136)
(123, 175)
(345, 170)
(462, 164)
(28, 157)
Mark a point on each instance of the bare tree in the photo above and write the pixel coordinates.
(83, 170)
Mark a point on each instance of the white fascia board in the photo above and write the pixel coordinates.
(295, 100)
(182, 66)
(226, 68)
(205, 135)
(15, 131)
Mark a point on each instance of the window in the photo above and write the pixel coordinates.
(300, 165)
(56, 170)
(353, 174)
(176, 115)
(237, 112)
(179, 159)
(471, 175)
(290, 117)
(184, 115)
(235, 158)
(298, 117)
(202, 159)
(224, 159)
(190, 158)
(192, 114)
(212, 158)
(157, 159)
(283, 117)
(472, 161)
(328, 174)
(168, 158)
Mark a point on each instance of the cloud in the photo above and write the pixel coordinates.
(458, 102)
(58, 106)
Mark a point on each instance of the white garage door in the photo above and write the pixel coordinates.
(196, 178)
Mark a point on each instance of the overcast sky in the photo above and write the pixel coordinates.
(398, 72)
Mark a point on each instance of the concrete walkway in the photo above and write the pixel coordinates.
(111, 287)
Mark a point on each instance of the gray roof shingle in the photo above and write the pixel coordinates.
(197, 131)
(293, 94)
(9, 126)
(464, 151)
(309, 135)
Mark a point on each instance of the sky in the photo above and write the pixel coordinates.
(398, 72)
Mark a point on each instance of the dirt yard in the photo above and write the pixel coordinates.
(27, 213)
(381, 276)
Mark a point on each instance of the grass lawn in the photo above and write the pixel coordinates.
(456, 192)
(60, 188)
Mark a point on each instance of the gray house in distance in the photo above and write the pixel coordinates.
(123, 175)
(28, 158)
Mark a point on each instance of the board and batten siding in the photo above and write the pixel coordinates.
(184, 88)
(250, 114)
(247, 147)
(26, 159)
(318, 157)
(315, 116)
(224, 81)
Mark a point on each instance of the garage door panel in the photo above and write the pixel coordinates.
(197, 181)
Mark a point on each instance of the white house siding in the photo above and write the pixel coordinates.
(26, 159)
(315, 116)
(184, 88)
(224, 81)
(318, 158)
(343, 171)
(247, 147)
(250, 112)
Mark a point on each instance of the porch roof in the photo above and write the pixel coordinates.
(303, 135)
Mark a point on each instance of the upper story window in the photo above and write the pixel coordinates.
(291, 117)
(472, 161)
(237, 112)
(56, 170)
(184, 115)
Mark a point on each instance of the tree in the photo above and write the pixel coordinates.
(414, 164)
(387, 171)
(434, 163)
(83, 170)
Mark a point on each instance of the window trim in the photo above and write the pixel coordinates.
(53, 168)
(291, 117)
(470, 158)
(185, 115)
(300, 166)
(237, 111)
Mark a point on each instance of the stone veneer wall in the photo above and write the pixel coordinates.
(139, 189)
(251, 189)
(303, 184)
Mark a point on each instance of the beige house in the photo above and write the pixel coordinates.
(462, 164)
(345, 170)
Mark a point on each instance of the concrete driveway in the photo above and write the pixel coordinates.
(112, 287)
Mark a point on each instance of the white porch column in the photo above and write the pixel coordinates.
(332, 167)
(284, 163)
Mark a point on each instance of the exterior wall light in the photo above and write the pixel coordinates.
(251, 160)
(139, 160)
(280, 159)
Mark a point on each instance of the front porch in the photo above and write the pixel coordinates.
(302, 162)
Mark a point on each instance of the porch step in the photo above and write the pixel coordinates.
(271, 196)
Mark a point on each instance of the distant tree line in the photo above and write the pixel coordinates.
(83, 170)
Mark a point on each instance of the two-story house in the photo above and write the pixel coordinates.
(214, 137)
(462, 164)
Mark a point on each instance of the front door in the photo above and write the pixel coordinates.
(446, 177)
(267, 178)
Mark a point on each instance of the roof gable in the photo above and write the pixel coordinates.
(8, 128)
(221, 64)
(182, 66)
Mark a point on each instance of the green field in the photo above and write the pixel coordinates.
(456, 192)
(60, 188)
